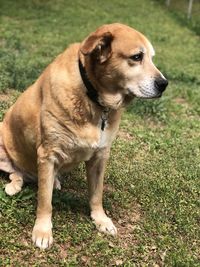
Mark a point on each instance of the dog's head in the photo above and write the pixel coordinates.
(118, 62)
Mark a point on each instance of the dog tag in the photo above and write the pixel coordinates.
(103, 124)
(104, 118)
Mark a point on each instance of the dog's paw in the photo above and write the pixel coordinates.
(104, 223)
(12, 189)
(42, 235)
(57, 184)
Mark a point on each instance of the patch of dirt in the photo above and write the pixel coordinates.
(4, 97)
(181, 101)
(154, 124)
(129, 221)
(9, 96)
(122, 134)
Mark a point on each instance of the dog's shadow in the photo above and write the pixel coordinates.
(72, 197)
(67, 200)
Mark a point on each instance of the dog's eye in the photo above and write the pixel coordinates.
(137, 57)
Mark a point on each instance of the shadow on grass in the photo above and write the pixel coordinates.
(69, 198)
(69, 201)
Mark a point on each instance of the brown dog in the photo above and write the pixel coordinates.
(72, 114)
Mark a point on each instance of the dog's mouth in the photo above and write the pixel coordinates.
(147, 95)
(143, 93)
(123, 100)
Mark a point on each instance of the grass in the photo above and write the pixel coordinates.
(179, 10)
(152, 179)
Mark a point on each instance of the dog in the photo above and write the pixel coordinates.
(71, 114)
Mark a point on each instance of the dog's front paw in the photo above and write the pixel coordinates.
(42, 234)
(104, 223)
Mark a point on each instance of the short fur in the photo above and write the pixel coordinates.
(54, 125)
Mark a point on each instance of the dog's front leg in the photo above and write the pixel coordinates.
(42, 231)
(95, 168)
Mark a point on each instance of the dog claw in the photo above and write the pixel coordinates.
(104, 224)
(42, 236)
(43, 243)
(107, 228)
(112, 231)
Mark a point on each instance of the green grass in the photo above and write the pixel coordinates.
(152, 181)
(179, 10)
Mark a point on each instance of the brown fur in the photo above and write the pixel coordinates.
(53, 125)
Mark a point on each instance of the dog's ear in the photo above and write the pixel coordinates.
(98, 45)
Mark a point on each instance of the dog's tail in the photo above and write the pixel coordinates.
(5, 162)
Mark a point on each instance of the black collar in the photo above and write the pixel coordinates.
(91, 91)
(93, 95)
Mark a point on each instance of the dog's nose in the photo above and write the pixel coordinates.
(161, 84)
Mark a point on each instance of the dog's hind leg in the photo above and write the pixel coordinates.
(6, 165)
(15, 186)
(57, 184)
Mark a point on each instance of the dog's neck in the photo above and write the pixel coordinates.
(93, 94)
(91, 91)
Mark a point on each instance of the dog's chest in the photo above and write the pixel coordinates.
(97, 139)
(105, 138)
(88, 147)
(76, 144)
(91, 140)
(83, 149)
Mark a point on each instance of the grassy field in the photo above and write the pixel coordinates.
(152, 185)
(179, 9)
